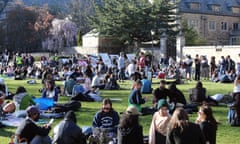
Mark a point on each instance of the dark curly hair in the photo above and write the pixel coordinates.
(128, 120)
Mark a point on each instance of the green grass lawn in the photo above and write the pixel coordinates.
(225, 133)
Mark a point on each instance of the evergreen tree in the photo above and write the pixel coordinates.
(79, 11)
(191, 36)
(133, 20)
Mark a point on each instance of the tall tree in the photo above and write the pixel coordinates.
(133, 20)
(191, 36)
(24, 27)
(78, 12)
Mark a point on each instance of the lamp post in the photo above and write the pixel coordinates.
(152, 33)
(149, 73)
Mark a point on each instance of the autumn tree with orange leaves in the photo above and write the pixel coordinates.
(24, 28)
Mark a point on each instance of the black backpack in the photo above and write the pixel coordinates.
(72, 105)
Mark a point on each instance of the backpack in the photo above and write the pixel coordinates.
(72, 105)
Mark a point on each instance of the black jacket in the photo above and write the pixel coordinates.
(191, 134)
(67, 132)
(161, 93)
(209, 131)
(28, 129)
(131, 135)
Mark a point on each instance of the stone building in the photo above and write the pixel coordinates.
(217, 21)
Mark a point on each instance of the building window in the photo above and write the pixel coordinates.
(194, 23)
(195, 6)
(236, 10)
(216, 8)
(212, 25)
(235, 26)
(224, 26)
(235, 40)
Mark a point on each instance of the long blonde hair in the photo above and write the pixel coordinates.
(179, 119)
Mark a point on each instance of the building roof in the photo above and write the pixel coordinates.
(205, 7)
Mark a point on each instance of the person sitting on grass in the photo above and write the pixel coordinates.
(208, 123)
(181, 130)
(146, 86)
(107, 117)
(198, 94)
(161, 93)
(50, 90)
(67, 131)
(129, 129)
(135, 98)
(160, 120)
(111, 83)
(97, 82)
(22, 99)
(30, 131)
(68, 86)
(178, 96)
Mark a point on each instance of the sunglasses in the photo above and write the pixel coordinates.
(106, 108)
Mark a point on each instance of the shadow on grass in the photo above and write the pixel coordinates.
(7, 132)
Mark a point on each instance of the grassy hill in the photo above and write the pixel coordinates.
(225, 133)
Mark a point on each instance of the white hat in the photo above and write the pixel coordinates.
(131, 110)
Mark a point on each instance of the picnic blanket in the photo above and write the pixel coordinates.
(13, 121)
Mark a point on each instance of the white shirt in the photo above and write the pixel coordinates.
(96, 81)
(121, 63)
(131, 69)
(236, 88)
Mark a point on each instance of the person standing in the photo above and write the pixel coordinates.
(222, 64)
(208, 123)
(204, 68)
(142, 63)
(230, 64)
(67, 131)
(197, 68)
(5, 57)
(188, 63)
(182, 131)
(121, 67)
(129, 129)
(212, 65)
(18, 60)
(131, 68)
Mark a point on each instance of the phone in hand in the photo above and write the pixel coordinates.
(51, 122)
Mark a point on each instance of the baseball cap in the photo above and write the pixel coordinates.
(31, 110)
(131, 110)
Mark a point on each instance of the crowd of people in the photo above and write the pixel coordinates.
(170, 121)
(223, 70)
